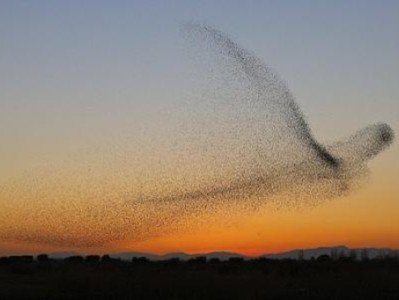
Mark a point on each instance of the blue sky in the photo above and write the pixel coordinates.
(71, 67)
(332, 54)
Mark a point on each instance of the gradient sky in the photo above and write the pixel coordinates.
(76, 72)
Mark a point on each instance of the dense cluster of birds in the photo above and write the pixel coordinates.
(241, 143)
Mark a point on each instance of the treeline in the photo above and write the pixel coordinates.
(90, 259)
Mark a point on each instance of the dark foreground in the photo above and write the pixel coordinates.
(104, 278)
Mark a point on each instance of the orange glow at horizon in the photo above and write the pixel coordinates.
(368, 218)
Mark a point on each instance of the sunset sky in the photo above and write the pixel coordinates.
(79, 78)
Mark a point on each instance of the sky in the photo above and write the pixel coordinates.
(76, 75)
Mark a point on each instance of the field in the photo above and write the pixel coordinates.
(95, 277)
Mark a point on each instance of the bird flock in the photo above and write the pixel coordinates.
(241, 143)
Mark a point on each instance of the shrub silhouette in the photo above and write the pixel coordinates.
(214, 260)
(324, 257)
(174, 261)
(23, 259)
(93, 258)
(74, 259)
(42, 258)
(198, 260)
(140, 260)
(106, 258)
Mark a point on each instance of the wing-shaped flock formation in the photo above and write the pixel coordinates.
(249, 141)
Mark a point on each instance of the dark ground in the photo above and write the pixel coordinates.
(104, 278)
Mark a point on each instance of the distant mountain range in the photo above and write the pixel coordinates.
(334, 251)
(293, 254)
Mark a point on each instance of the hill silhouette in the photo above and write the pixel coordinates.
(225, 255)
